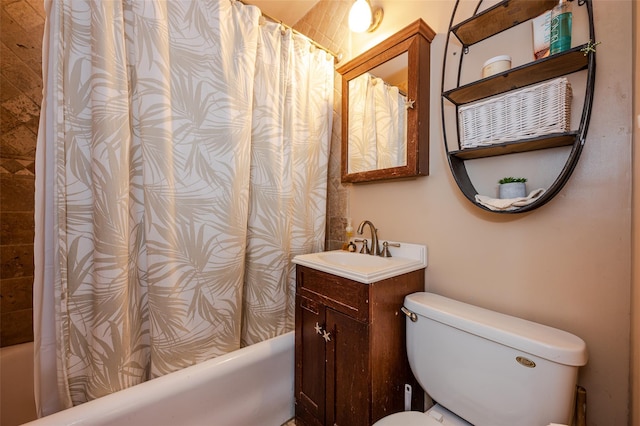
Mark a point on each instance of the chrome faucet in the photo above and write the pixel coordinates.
(375, 248)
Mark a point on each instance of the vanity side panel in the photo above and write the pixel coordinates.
(390, 369)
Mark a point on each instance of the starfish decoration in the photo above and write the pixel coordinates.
(318, 328)
(409, 103)
(326, 336)
(590, 47)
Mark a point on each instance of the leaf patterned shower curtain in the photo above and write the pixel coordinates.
(288, 175)
(155, 189)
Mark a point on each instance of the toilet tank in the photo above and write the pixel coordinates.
(492, 369)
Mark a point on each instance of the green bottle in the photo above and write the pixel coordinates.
(560, 28)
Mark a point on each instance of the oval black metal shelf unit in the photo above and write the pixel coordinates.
(482, 26)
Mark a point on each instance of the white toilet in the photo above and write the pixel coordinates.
(487, 369)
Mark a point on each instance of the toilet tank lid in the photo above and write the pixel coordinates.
(537, 339)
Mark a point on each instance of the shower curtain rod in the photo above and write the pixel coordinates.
(337, 56)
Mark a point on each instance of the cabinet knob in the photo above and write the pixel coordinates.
(318, 329)
(326, 336)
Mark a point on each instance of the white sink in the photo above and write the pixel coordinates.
(365, 268)
(344, 258)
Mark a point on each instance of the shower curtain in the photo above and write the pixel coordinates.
(377, 125)
(181, 164)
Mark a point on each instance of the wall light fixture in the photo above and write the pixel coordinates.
(362, 18)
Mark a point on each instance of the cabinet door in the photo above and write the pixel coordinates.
(310, 360)
(348, 393)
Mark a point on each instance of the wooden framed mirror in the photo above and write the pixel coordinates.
(385, 108)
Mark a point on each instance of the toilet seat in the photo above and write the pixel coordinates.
(435, 416)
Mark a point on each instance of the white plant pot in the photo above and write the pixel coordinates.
(512, 190)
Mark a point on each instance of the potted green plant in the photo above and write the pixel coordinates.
(512, 187)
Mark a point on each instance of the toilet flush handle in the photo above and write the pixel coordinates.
(412, 315)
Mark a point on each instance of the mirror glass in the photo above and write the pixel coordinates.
(378, 102)
(385, 108)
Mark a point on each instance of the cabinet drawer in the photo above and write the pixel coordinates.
(343, 295)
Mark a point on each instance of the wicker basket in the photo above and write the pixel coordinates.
(526, 113)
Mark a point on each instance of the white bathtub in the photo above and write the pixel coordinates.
(247, 387)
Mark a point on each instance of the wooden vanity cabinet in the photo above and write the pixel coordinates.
(350, 353)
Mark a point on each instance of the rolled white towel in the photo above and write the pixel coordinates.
(506, 204)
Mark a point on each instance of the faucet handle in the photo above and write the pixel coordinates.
(365, 246)
(385, 248)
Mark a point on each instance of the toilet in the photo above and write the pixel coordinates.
(485, 368)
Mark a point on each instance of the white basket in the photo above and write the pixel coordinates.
(526, 113)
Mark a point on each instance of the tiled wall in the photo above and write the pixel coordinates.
(326, 24)
(22, 23)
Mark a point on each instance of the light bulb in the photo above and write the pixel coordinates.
(360, 16)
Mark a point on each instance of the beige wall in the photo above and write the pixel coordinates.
(635, 302)
(567, 264)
